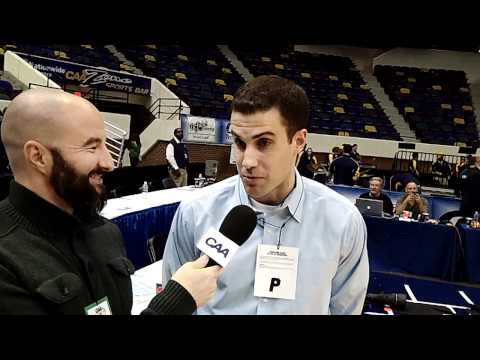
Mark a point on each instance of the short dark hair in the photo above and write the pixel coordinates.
(271, 91)
(347, 148)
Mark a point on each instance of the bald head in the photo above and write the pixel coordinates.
(43, 115)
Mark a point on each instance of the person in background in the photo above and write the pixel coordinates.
(455, 181)
(441, 171)
(307, 164)
(336, 152)
(344, 169)
(413, 166)
(376, 193)
(134, 148)
(470, 187)
(412, 202)
(355, 155)
(177, 159)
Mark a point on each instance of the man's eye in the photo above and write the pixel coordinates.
(239, 143)
(263, 143)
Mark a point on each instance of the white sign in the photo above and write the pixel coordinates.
(201, 129)
(276, 272)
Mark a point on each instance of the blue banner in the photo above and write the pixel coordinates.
(65, 72)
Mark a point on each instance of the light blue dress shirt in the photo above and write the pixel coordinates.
(326, 227)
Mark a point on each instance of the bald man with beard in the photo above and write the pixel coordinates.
(57, 254)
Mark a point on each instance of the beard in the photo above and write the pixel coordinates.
(75, 188)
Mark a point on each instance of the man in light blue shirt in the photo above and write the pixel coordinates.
(268, 123)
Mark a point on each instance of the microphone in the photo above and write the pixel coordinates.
(395, 300)
(238, 225)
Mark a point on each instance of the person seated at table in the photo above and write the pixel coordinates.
(412, 202)
(375, 193)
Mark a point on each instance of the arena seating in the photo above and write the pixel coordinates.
(341, 102)
(93, 55)
(200, 76)
(436, 103)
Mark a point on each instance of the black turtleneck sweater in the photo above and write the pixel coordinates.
(54, 263)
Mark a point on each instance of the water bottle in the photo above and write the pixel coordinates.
(199, 181)
(145, 187)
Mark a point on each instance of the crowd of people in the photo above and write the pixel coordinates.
(344, 169)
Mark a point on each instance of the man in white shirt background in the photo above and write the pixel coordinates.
(177, 159)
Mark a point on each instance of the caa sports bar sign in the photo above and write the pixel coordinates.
(89, 76)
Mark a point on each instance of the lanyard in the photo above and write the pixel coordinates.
(262, 221)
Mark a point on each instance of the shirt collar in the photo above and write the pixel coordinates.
(294, 201)
(40, 214)
(176, 140)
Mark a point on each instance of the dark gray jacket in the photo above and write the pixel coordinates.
(55, 263)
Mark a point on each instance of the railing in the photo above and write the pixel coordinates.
(115, 141)
(169, 106)
(425, 163)
(94, 95)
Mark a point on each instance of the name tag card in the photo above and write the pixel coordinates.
(101, 307)
(276, 272)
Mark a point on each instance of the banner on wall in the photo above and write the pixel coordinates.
(206, 130)
(66, 72)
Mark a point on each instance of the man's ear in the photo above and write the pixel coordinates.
(37, 156)
(300, 139)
